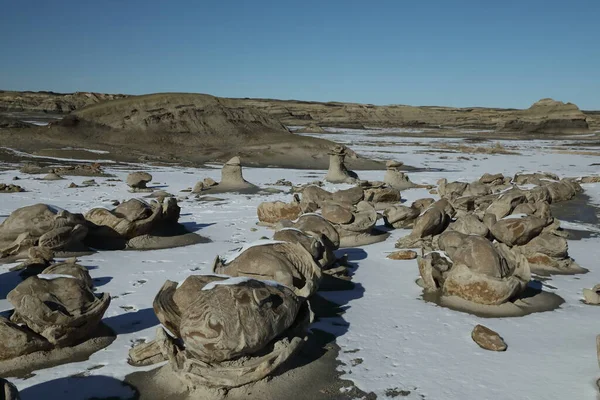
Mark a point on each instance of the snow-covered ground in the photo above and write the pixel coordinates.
(390, 339)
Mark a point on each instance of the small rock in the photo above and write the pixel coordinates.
(72, 185)
(209, 182)
(592, 296)
(403, 255)
(488, 339)
(90, 182)
(52, 177)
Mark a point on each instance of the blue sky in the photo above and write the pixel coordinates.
(457, 53)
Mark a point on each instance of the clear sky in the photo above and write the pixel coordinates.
(431, 52)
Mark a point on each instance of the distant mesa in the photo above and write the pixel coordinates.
(548, 116)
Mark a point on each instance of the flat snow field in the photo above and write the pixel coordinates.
(390, 339)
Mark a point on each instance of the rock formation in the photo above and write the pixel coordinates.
(56, 313)
(338, 173)
(230, 332)
(471, 273)
(395, 177)
(231, 180)
(137, 181)
(10, 188)
(41, 225)
(289, 264)
(488, 339)
(269, 213)
(135, 224)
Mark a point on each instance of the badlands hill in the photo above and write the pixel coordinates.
(51, 102)
(179, 127)
(545, 116)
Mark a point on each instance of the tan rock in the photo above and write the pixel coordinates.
(488, 339)
(273, 212)
(592, 296)
(336, 214)
(403, 255)
(138, 180)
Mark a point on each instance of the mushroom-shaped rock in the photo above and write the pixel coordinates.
(338, 173)
(289, 264)
(272, 212)
(231, 180)
(61, 308)
(517, 231)
(233, 331)
(138, 180)
(395, 177)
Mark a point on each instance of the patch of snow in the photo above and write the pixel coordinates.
(236, 281)
(515, 216)
(50, 277)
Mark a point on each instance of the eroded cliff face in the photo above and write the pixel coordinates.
(545, 116)
(194, 118)
(176, 112)
(50, 102)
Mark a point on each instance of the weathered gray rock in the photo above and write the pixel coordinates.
(337, 172)
(336, 213)
(233, 331)
(54, 227)
(138, 180)
(289, 264)
(60, 308)
(313, 197)
(400, 216)
(314, 224)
